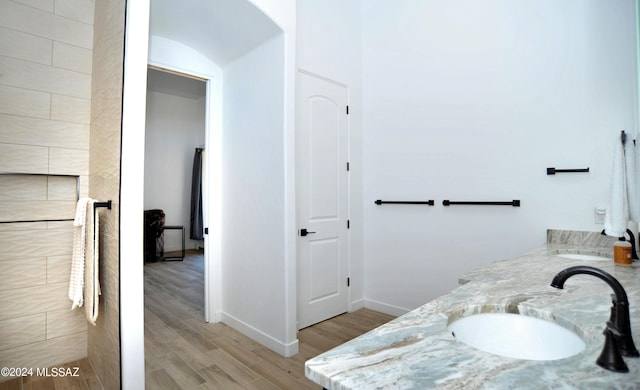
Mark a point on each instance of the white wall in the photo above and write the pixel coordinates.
(283, 13)
(328, 44)
(468, 100)
(175, 126)
(253, 194)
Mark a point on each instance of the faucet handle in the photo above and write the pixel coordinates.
(610, 357)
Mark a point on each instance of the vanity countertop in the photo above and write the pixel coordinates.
(416, 351)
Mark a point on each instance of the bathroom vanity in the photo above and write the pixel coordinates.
(418, 350)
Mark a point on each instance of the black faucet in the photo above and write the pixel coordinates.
(619, 340)
(632, 240)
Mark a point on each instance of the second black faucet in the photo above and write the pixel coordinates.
(619, 340)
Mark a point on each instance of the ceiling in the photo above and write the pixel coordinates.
(173, 84)
(221, 30)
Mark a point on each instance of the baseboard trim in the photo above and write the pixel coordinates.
(217, 317)
(284, 349)
(385, 308)
(357, 305)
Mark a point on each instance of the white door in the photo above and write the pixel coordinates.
(322, 196)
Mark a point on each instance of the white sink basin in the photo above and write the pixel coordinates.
(579, 256)
(517, 336)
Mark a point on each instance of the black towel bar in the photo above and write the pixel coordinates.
(514, 203)
(553, 171)
(429, 202)
(106, 204)
(96, 205)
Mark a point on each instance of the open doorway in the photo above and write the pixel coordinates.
(175, 137)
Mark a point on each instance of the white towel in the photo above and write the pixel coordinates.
(92, 265)
(76, 279)
(84, 285)
(617, 215)
(632, 181)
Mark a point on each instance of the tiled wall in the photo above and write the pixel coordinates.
(45, 92)
(106, 115)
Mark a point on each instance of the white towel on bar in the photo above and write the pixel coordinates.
(76, 279)
(619, 211)
(84, 286)
(92, 264)
(632, 181)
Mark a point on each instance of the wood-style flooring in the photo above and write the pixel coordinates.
(184, 352)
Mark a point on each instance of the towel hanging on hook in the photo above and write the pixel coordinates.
(623, 204)
(623, 137)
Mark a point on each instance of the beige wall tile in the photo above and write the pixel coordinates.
(20, 302)
(70, 109)
(68, 161)
(41, 132)
(60, 225)
(46, 5)
(80, 10)
(104, 349)
(29, 75)
(17, 244)
(58, 269)
(106, 109)
(23, 187)
(62, 188)
(84, 184)
(71, 57)
(22, 330)
(45, 24)
(23, 158)
(34, 227)
(24, 46)
(24, 102)
(36, 210)
(23, 273)
(105, 167)
(105, 118)
(65, 322)
(47, 353)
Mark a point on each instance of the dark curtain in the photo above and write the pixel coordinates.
(196, 226)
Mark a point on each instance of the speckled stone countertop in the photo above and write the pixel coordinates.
(416, 351)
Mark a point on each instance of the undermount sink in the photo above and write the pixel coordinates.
(580, 256)
(517, 336)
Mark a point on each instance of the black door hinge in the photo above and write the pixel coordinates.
(347, 110)
(348, 224)
(348, 167)
(206, 230)
(348, 282)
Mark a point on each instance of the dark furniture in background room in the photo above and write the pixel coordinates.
(153, 235)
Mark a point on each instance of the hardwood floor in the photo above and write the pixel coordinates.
(184, 352)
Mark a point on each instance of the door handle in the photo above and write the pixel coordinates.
(304, 232)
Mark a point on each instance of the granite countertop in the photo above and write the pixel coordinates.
(416, 351)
